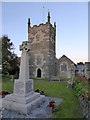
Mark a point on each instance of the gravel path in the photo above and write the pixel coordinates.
(43, 111)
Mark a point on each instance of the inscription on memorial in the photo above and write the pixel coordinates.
(29, 86)
(23, 87)
(19, 88)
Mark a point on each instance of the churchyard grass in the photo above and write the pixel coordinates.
(7, 84)
(69, 107)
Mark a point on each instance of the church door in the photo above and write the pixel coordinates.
(39, 72)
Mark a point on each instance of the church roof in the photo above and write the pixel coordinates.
(65, 57)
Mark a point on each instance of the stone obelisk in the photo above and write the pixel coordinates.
(24, 99)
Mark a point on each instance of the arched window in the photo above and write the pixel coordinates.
(38, 72)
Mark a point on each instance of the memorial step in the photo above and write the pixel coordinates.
(25, 108)
(20, 99)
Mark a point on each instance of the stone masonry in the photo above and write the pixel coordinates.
(42, 38)
(43, 62)
(24, 99)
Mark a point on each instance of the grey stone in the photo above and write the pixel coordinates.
(43, 111)
(23, 100)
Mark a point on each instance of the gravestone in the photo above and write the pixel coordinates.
(24, 99)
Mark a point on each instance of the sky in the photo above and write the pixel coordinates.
(71, 25)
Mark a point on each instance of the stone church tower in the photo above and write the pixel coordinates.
(42, 39)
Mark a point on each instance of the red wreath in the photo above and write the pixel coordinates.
(51, 104)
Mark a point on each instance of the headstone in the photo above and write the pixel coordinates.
(24, 99)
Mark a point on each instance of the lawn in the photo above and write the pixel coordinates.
(7, 84)
(69, 107)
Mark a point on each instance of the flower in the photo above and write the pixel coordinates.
(52, 104)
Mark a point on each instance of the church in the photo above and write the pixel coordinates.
(43, 61)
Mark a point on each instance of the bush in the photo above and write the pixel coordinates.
(81, 87)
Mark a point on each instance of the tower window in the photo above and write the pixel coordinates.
(38, 60)
(37, 37)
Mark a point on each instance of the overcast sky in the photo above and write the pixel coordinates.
(71, 20)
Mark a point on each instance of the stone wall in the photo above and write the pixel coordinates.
(43, 61)
(66, 67)
(42, 54)
(85, 104)
(87, 70)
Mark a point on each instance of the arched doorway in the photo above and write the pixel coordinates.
(38, 72)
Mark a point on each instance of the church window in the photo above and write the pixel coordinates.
(63, 67)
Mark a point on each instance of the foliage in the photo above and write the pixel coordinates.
(9, 58)
(81, 87)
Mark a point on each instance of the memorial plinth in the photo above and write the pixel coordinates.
(24, 99)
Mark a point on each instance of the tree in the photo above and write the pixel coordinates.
(9, 58)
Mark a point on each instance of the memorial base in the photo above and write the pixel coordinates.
(23, 105)
(23, 100)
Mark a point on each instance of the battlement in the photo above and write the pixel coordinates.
(42, 25)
